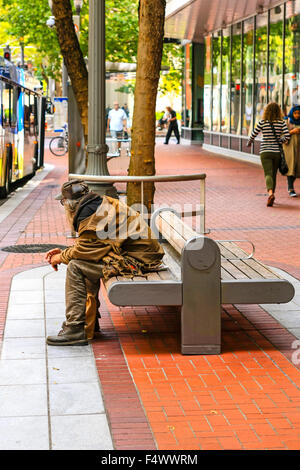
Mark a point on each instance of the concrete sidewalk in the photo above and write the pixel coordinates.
(50, 397)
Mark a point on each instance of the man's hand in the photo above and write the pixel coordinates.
(50, 253)
(55, 261)
(53, 257)
(249, 143)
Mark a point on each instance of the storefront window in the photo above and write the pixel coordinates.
(216, 65)
(292, 57)
(207, 84)
(245, 65)
(225, 97)
(248, 75)
(261, 58)
(236, 78)
(188, 85)
(276, 54)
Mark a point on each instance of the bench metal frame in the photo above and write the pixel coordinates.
(200, 293)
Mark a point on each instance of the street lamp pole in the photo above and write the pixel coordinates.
(97, 148)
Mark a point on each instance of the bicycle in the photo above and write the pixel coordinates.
(59, 145)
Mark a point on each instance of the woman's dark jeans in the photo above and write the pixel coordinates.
(290, 181)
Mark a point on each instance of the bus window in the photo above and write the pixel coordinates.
(1, 104)
(27, 112)
(6, 100)
(14, 104)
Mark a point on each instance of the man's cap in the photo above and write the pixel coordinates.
(73, 189)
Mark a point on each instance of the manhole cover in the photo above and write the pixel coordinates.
(32, 248)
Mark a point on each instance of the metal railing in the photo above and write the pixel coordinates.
(155, 179)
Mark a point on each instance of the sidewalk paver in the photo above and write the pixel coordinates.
(60, 385)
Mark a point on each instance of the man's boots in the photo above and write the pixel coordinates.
(69, 336)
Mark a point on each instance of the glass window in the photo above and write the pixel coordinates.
(1, 105)
(236, 78)
(216, 67)
(14, 105)
(292, 57)
(188, 85)
(27, 112)
(276, 54)
(207, 84)
(225, 96)
(261, 58)
(248, 75)
(6, 100)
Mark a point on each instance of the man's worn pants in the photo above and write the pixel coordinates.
(82, 277)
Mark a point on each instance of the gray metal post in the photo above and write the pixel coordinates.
(64, 80)
(201, 297)
(22, 54)
(97, 148)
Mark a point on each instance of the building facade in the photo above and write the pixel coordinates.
(234, 68)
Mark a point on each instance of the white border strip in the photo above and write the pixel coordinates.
(234, 154)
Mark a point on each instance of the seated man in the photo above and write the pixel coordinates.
(113, 240)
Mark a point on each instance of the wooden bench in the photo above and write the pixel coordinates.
(201, 274)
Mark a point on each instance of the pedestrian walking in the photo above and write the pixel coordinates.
(117, 123)
(292, 149)
(173, 125)
(274, 131)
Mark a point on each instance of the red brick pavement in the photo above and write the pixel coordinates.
(246, 398)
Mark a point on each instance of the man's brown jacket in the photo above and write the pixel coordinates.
(117, 237)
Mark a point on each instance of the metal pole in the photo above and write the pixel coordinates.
(97, 148)
(22, 54)
(64, 80)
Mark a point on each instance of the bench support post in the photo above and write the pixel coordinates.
(201, 308)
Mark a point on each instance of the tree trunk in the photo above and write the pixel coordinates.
(73, 57)
(150, 46)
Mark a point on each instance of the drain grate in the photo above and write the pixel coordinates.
(35, 248)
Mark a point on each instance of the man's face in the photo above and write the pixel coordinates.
(296, 114)
(116, 106)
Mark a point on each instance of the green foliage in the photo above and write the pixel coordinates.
(129, 88)
(121, 30)
(27, 19)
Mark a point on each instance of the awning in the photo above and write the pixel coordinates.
(193, 19)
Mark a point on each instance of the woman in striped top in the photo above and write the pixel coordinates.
(269, 150)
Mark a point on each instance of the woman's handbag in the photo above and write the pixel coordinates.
(283, 168)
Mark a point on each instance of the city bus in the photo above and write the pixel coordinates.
(22, 126)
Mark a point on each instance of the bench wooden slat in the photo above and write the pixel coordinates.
(240, 264)
(124, 279)
(165, 275)
(170, 235)
(183, 230)
(225, 274)
(233, 270)
(265, 272)
(153, 277)
(172, 260)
